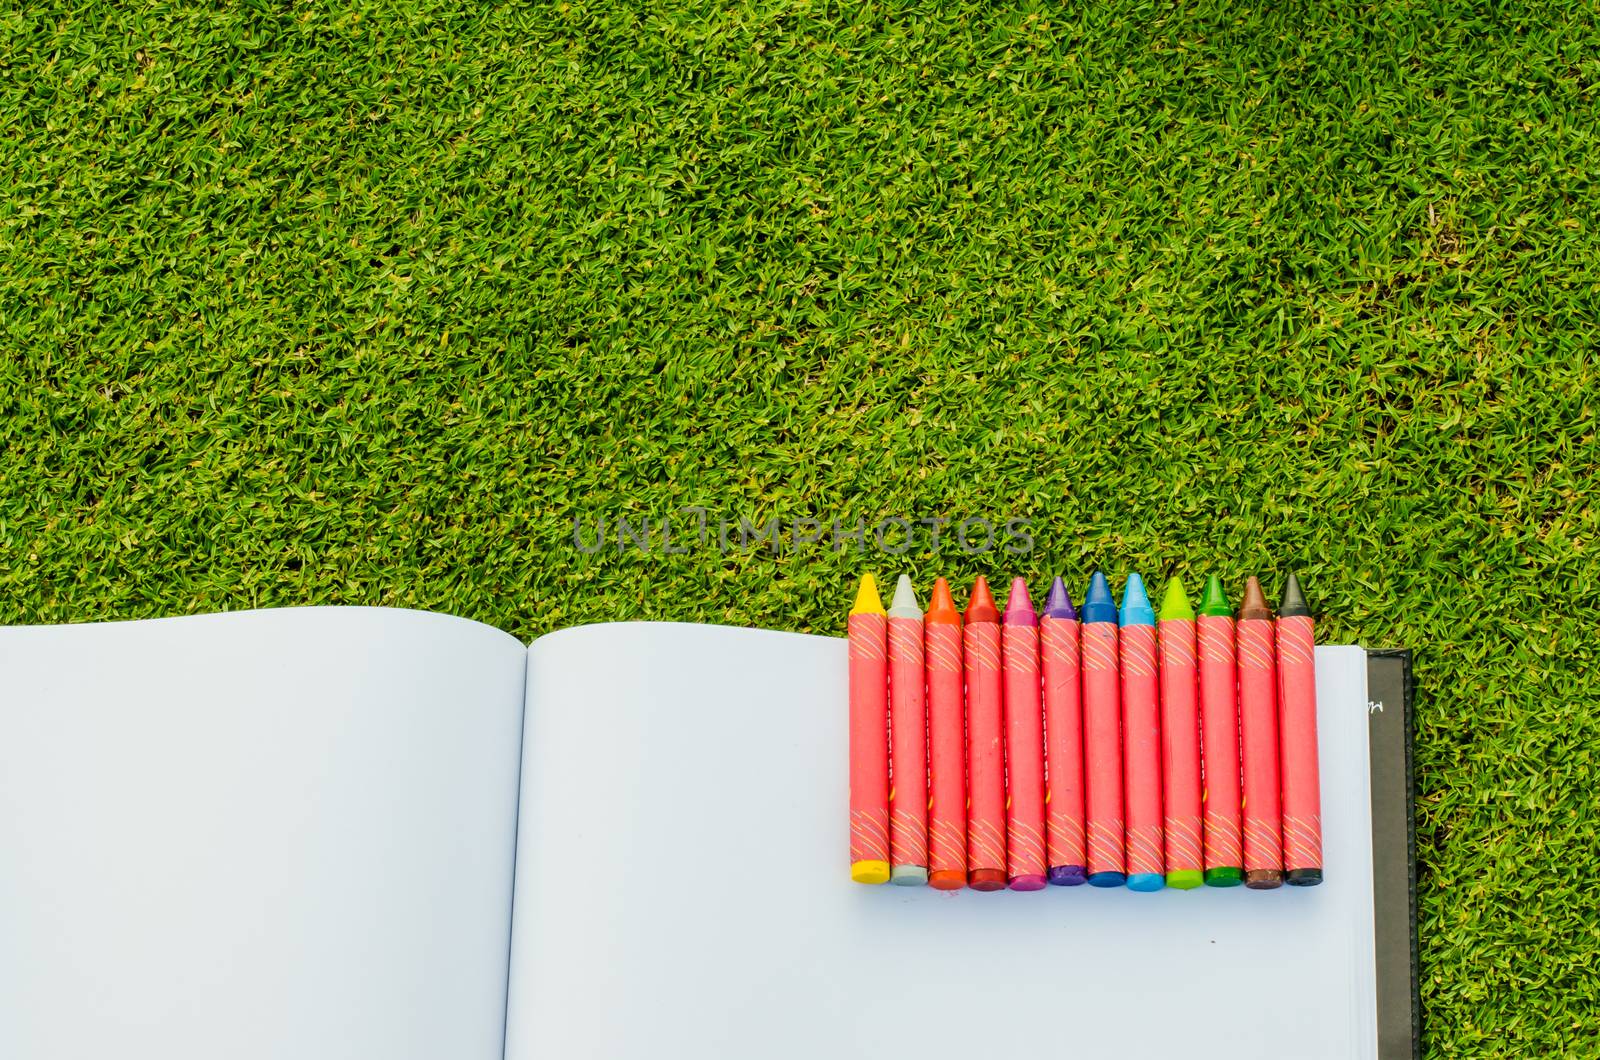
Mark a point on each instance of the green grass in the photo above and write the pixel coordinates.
(365, 307)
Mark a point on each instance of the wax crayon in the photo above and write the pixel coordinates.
(1297, 714)
(986, 764)
(1219, 738)
(1019, 630)
(1180, 739)
(1063, 731)
(1102, 736)
(947, 743)
(1258, 740)
(869, 736)
(1141, 738)
(908, 741)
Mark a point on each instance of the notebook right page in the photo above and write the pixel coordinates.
(683, 889)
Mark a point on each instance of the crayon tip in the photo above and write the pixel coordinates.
(869, 871)
(1303, 877)
(1263, 879)
(1136, 609)
(868, 602)
(1175, 602)
(1028, 881)
(1184, 879)
(1146, 881)
(1213, 600)
(1294, 601)
(1019, 607)
(904, 604)
(1098, 604)
(981, 607)
(947, 879)
(1224, 877)
(1254, 604)
(1059, 603)
(1107, 879)
(1067, 875)
(942, 607)
(987, 880)
(908, 875)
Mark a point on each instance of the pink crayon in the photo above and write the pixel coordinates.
(947, 743)
(1025, 859)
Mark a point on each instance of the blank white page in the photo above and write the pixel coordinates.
(683, 890)
(263, 834)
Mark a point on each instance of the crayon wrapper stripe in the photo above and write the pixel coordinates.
(1144, 850)
(1065, 840)
(1215, 638)
(986, 845)
(1223, 841)
(1058, 641)
(1184, 848)
(1139, 652)
(1302, 843)
(1262, 847)
(947, 845)
(1255, 644)
(868, 639)
(1099, 646)
(943, 646)
(1105, 846)
(869, 836)
(908, 839)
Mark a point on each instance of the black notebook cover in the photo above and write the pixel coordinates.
(1394, 854)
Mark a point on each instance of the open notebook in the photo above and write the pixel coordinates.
(334, 833)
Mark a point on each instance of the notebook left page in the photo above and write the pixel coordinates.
(262, 834)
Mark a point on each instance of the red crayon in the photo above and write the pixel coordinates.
(1063, 731)
(947, 743)
(1258, 740)
(1180, 739)
(1102, 736)
(908, 741)
(1025, 862)
(1297, 713)
(986, 764)
(869, 736)
(1141, 739)
(1219, 732)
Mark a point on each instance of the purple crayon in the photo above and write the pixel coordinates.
(1063, 738)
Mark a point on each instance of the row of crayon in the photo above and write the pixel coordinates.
(1113, 746)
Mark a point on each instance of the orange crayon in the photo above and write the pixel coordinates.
(947, 743)
(986, 765)
(908, 741)
(869, 736)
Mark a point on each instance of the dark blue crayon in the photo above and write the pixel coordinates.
(1102, 736)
